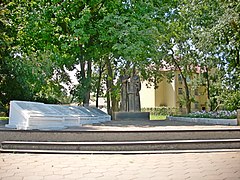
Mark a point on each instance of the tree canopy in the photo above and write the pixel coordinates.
(42, 40)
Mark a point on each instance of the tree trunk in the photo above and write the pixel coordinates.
(208, 89)
(108, 97)
(99, 84)
(87, 85)
(85, 81)
(112, 102)
(187, 93)
(109, 85)
(82, 69)
(98, 91)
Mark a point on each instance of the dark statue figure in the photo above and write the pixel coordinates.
(130, 97)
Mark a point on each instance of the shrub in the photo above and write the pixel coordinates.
(160, 110)
(213, 114)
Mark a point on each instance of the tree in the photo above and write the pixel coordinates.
(128, 35)
(42, 39)
(69, 31)
(27, 71)
(177, 48)
(217, 41)
(206, 34)
(10, 87)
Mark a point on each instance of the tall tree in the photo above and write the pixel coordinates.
(11, 86)
(128, 34)
(177, 49)
(216, 30)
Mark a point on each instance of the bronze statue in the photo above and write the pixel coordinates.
(130, 97)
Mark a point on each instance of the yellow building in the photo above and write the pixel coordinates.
(171, 94)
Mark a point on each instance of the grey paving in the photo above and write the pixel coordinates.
(151, 125)
(203, 166)
(144, 124)
(103, 167)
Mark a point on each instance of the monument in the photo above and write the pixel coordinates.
(35, 115)
(130, 107)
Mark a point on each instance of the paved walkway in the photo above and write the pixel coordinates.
(195, 166)
(150, 125)
(144, 124)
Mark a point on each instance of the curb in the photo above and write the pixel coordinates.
(3, 122)
(230, 122)
(119, 152)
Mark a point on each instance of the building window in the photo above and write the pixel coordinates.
(196, 92)
(196, 106)
(180, 105)
(180, 91)
(180, 78)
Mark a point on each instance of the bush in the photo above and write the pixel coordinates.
(160, 110)
(232, 101)
(217, 115)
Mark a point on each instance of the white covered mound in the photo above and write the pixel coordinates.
(35, 115)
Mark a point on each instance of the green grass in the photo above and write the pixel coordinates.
(152, 117)
(3, 118)
(157, 117)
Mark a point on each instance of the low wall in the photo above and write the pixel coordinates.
(231, 122)
(3, 122)
(131, 116)
(238, 117)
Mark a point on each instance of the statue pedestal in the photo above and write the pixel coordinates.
(131, 116)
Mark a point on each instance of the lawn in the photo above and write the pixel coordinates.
(157, 117)
(152, 117)
(3, 118)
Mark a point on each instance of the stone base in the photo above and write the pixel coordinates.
(238, 117)
(131, 116)
(4, 122)
(230, 122)
(35, 115)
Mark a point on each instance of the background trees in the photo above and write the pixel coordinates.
(216, 38)
(41, 40)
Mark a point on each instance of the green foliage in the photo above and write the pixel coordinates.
(40, 40)
(231, 100)
(212, 114)
(217, 40)
(26, 70)
(157, 117)
(206, 34)
(4, 118)
(160, 111)
(10, 88)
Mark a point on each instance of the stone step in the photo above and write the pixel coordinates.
(118, 135)
(117, 152)
(14, 146)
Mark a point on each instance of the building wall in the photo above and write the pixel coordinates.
(169, 94)
(198, 94)
(201, 99)
(180, 92)
(147, 96)
(165, 94)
